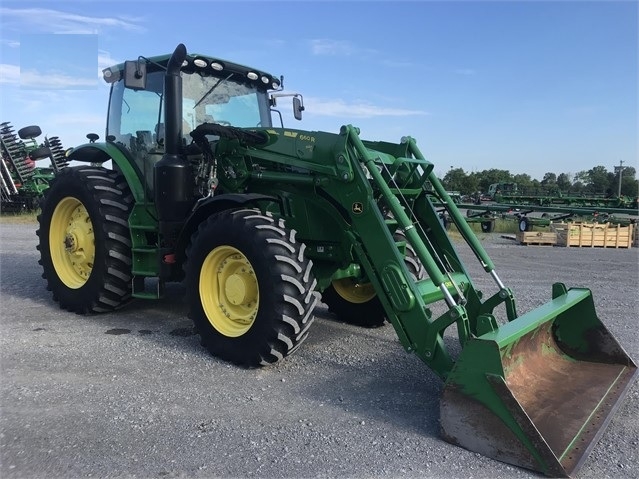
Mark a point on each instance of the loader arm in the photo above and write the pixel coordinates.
(410, 209)
(537, 388)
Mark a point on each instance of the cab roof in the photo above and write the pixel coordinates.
(204, 65)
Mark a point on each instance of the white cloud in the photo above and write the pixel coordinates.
(359, 109)
(46, 20)
(10, 43)
(9, 74)
(331, 47)
(49, 80)
(400, 64)
(325, 46)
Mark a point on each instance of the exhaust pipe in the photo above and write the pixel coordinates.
(173, 102)
(173, 177)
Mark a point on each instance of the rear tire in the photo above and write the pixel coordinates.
(250, 289)
(85, 244)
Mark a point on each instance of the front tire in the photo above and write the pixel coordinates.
(250, 289)
(85, 245)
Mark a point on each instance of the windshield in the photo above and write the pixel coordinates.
(224, 101)
(138, 115)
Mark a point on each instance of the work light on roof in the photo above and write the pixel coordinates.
(252, 76)
(265, 79)
(200, 62)
(217, 66)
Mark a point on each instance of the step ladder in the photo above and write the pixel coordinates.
(145, 252)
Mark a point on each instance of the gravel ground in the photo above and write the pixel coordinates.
(133, 394)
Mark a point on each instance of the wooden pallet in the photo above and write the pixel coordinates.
(594, 235)
(538, 238)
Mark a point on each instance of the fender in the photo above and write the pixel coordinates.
(102, 152)
(210, 206)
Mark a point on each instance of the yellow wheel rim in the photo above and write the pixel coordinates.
(354, 292)
(229, 291)
(72, 242)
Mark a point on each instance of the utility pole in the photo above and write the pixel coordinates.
(619, 169)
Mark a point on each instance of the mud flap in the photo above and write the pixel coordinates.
(539, 391)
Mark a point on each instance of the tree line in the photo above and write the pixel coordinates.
(596, 181)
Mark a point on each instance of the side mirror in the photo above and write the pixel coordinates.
(135, 75)
(298, 107)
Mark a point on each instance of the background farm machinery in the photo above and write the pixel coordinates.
(529, 215)
(541, 208)
(505, 202)
(22, 183)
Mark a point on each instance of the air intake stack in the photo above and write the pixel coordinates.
(173, 177)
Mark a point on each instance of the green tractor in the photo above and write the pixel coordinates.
(258, 220)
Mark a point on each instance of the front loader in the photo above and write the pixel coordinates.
(258, 220)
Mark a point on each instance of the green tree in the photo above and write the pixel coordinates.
(471, 184)
(563, 182)
(549, 184)
(577, 188)
(629, 186)
(454, 179)
(550, 179)
(599, 180)
(524, 182)
(494, 175)
(581, 177)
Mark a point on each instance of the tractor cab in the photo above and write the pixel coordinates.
(213, 91)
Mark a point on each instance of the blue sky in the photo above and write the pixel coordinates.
(526, 86)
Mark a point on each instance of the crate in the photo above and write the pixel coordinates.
(600, 235)
(540, 238)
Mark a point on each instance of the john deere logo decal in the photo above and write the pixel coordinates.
(358, 208)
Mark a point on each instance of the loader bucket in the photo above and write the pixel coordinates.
(538, 391)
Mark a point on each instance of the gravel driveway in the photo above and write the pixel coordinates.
(133, 394)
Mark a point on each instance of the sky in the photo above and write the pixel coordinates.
(530, 87)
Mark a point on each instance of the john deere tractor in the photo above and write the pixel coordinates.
(258, 220)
